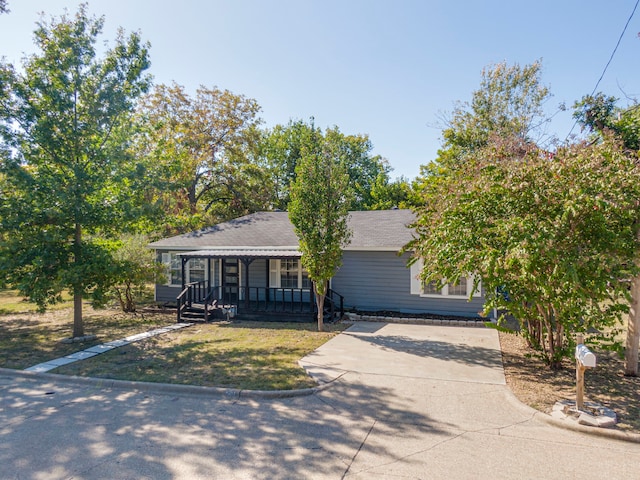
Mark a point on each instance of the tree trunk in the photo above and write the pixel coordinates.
(633, 331)
(320, 302)
(633, 326)
(78, 324)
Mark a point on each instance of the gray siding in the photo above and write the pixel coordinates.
(165, 293)
(373, 281)
(258, 273)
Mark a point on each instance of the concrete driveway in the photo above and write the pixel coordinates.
(403, 401)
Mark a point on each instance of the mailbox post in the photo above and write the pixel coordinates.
(584, 359)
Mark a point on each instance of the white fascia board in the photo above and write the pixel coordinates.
(210, 247)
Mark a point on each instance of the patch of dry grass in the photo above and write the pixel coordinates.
(27, 339)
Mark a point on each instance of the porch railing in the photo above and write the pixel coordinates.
(204, 297)
(265, 299)
(333, 305)
(193, 293)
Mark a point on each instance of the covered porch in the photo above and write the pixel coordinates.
(249, 284)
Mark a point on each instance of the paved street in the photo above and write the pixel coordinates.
(404, 402)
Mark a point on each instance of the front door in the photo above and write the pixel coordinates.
(230, 279)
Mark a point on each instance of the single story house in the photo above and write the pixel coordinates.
(252, 265)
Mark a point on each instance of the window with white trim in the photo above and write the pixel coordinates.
(288, 273)
(461, 289)
(174, 268)
(195, 269)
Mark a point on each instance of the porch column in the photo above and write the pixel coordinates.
(184, 262)
(246, 262)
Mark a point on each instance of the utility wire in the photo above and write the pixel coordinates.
(609, 62)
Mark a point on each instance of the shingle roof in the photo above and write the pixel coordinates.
(371, 230)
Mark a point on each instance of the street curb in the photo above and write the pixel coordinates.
(164, 388)
(570, 424)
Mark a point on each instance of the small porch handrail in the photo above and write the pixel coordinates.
(333, 303)
(194, 292)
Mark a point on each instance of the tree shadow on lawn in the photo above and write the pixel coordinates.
(100, 433)
(191, 363)
(32, 338)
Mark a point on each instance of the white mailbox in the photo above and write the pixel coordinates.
(585, 356)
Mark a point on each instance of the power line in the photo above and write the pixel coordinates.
(610, 59)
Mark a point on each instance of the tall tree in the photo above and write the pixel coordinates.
(509, 103)
(3, 6)
(363, 168)
(603, 117)
(386, 194)
(319, 210)
(64, 117)
(203, 151)
(550, 239)
(488, 203)
(281, 150)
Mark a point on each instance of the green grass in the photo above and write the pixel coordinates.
(237, 354)
(12, 302)
(245, 355)
(27, 339)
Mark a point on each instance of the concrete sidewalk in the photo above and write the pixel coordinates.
(102, 348)
(402, 401)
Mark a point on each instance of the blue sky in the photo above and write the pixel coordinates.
(387, 68)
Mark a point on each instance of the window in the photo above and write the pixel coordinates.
(430, 289)
(195, 269)
(461, 289)
(174, 268)
(288, 273)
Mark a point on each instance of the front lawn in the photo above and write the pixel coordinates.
(236, 354)
(29, 338)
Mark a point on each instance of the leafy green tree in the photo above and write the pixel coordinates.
(603, 117)
(135, 268)
(203, 151)
(550, 239)
(281, 150)
(509, 103)
(386, 194)
(600, 115)
(495, 204)
(64, 118)
(363, 168)
(319, 210)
